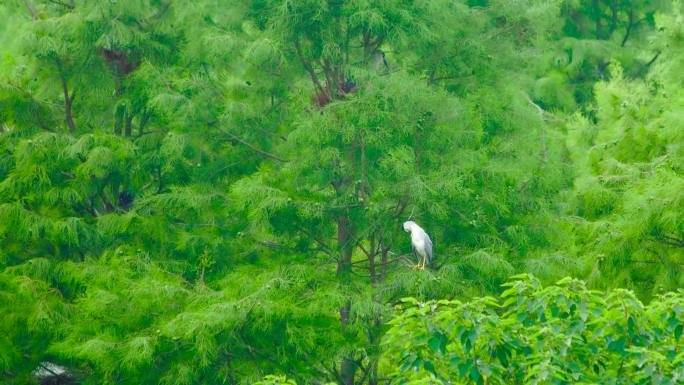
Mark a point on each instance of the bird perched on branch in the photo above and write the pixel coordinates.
(421, 243)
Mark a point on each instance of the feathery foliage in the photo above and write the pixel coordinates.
(213, 192)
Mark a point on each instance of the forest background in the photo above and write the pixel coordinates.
(212, 191)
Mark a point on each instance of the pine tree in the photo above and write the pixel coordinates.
(630, 220)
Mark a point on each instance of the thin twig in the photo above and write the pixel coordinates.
(251, 146)
(324, 246)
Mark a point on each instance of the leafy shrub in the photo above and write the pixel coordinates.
(531, 334)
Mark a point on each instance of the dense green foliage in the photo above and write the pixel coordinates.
(629, 173)
(561, 334)
(213, 192)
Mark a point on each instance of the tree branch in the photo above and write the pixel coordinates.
(48, 369)
(404, 257)
(672, 241)
(32, 9)
(365, 373)
(655, 57)
(364, 250)
(68, 99)
(309, 68)
(251, 146)
(323, 245)
(63, 4)
(653, 262)
(629, 28)
(362, 187)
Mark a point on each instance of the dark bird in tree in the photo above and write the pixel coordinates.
(421, 243)
(122, 62)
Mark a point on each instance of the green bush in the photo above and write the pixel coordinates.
(531, 334)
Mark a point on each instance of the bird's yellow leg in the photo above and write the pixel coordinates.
(422, 265)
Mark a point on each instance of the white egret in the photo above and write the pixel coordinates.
(421, 243)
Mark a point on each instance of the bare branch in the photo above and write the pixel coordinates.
(308, 67)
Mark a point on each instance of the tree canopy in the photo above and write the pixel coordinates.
(213, 192)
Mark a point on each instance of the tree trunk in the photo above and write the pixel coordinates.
(362, 186)
(69, 115)
(375, 334)
(597, 19)
(384, 250)
(371, 259)
(129, 125)
(347, 371)
(348, 367)
(613, 17)
(68, 100)
(344, 237)
(630, 25)
(143, 121)
(120, 112)
(119, 117)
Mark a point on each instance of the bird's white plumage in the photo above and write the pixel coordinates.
(421, 242)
